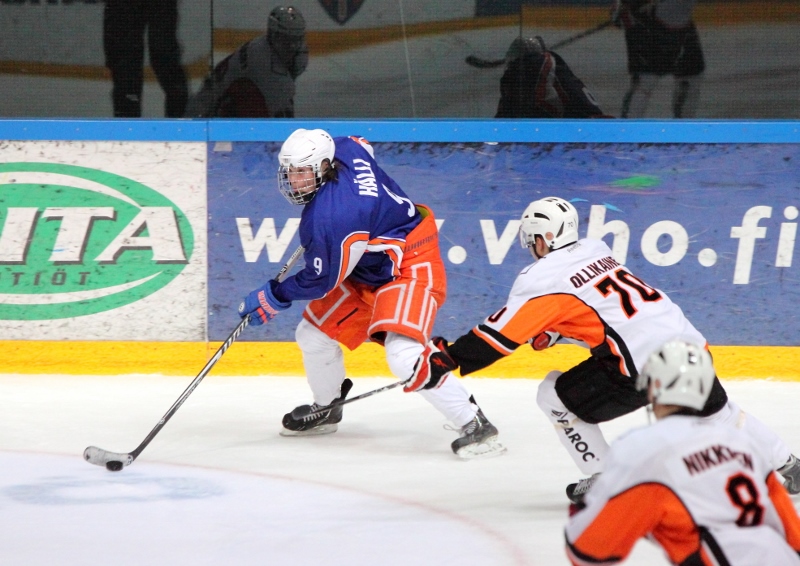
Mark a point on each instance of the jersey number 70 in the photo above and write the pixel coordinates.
(619, 284)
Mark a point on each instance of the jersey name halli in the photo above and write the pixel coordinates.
(355, 227)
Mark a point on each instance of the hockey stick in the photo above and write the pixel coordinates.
(479, 63)
(357, 397)
(588, 32)
(115, 461)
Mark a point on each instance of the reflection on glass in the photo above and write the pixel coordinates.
(405, 59)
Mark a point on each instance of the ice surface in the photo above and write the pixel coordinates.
(218, 485)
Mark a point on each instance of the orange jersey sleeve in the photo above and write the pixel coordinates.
(645, 509)
(786, 511)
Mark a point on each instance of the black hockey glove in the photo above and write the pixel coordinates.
(432, 367)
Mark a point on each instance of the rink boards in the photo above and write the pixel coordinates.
(127, 246)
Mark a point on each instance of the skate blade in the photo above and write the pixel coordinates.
(316, 431)
(487, 449)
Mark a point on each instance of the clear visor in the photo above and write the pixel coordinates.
(526, 240)
(298, 184)
(642, 382)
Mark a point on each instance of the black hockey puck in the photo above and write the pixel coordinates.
(114, 466)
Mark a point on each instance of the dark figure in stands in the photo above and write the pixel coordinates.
(125, 23)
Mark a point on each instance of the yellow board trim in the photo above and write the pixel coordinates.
(779, 363)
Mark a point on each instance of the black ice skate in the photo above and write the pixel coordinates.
(479, 439)
(791, 474)
(577, 491)
(307, 420)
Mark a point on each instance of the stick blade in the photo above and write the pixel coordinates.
(112, 461)
(479, 63)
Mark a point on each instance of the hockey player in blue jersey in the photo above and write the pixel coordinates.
(373, 271)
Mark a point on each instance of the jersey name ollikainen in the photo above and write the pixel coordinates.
(583, 293)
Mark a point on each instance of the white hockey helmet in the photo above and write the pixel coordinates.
(552, 218)
(302, 154)
(679, 373)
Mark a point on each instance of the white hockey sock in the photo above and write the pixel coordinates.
(732, 414)
(686, 96)
(451, 399)
(584, 442)
(636, 100)
(323, 361)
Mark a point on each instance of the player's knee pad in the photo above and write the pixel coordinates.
(323, 361)
(402, 353)
(322, 355)
(546, 396)
(686, 96)
(312, 340)
(636, 100)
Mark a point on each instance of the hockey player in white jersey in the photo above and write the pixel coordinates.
(576, 290)
(703, 490)
(258, 79)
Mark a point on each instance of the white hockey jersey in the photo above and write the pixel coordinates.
(250, 83)
(584, 294)
(703, 491)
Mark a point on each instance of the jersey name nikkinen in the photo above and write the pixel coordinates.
(704, 460)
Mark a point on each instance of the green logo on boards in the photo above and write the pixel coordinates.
(77, 241)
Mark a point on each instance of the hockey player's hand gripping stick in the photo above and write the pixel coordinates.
(115, 461)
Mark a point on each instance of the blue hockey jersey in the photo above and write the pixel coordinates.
(356, 227)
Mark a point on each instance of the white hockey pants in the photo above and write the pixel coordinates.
(685, 95)
(584, 442)
(637, 98)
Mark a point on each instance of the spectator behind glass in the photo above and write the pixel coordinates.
(660, 39)
(124, 25)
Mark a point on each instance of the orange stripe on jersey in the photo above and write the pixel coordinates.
(786, 511)
(489, 339)
(565, 314)
(381, 241)
(365, 144)
(644, 509)
(612, 345)
(347, 245)
(391, 247)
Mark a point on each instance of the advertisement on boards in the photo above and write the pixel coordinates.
(102, 241)
(712, 225)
